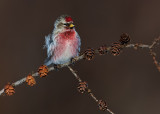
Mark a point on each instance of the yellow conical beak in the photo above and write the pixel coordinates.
(71, 25)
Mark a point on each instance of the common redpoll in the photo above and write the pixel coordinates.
(64, 43)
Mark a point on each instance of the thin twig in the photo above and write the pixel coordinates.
(88, 90)
(154, 42)
(74, 73)
(110, 111)
(157, 64)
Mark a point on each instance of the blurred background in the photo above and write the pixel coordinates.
(130, 82)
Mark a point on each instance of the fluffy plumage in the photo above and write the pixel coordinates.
(64, 43)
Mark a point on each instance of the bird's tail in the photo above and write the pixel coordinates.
(48, 62)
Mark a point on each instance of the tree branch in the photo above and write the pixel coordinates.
(114, 49)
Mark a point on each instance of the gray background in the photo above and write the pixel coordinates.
(130, 83)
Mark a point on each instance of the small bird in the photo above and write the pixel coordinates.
(64, 42)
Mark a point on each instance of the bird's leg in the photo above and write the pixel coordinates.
(56, 67)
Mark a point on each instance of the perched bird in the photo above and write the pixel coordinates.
(64, 42)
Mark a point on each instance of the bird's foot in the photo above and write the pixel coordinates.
(73, 61)
(56, 67)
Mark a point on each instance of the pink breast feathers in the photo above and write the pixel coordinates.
(66, 47)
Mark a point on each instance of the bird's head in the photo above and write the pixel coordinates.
(64, 22)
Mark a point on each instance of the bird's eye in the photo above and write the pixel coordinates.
(66, 24)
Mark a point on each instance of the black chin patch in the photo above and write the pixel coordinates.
(71, 27)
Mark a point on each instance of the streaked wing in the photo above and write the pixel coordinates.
(49, 44)
(79, 41)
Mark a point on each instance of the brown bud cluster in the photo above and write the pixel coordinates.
(116, 48)
(83, 86)
(89, 54)
(43, 71)
(102, 50)
(30, 80)
(9, 89)
(125, 38)
(102, 105)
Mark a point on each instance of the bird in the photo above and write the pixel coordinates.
(64, 42)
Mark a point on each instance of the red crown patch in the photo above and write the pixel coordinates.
(68, 19)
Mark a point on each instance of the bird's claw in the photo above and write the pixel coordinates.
(56, 67)
(73, 60)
